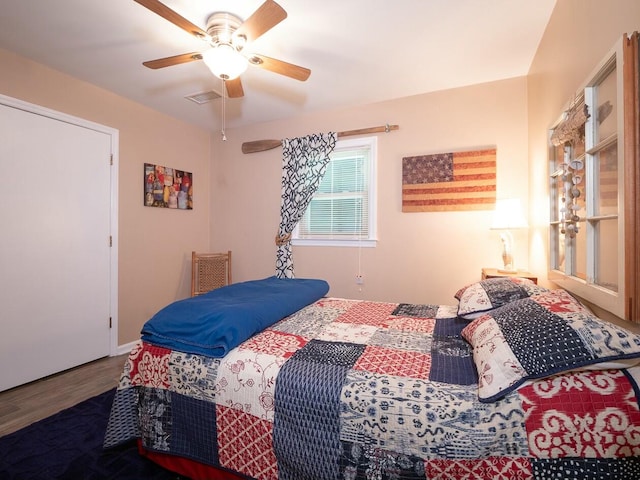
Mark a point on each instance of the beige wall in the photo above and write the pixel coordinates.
(154, 244)
(579, 35)
(420, 257)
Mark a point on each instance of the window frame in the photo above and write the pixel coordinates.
(586, 288)
(342, 145)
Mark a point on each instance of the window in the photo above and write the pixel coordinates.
(343, 210)
(586, 228)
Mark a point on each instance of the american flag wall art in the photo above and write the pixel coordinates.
(449, 181)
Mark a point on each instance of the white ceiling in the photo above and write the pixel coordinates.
(359, 51)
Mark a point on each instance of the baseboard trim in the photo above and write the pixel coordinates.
(126, 348)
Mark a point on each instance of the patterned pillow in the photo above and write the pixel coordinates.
(544, 335)
(480, 297)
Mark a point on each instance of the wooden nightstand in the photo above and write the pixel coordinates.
(494, 273)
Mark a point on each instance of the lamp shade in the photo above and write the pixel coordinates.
(225, 62)
(508, 215)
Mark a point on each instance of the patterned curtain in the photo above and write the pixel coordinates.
(304, 161)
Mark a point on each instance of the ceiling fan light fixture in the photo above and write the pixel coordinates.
(225, 62)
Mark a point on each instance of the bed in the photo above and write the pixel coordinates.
(513, 381)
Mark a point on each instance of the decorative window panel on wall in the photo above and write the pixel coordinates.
(449, 181)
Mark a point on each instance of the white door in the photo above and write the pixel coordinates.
(55, 208)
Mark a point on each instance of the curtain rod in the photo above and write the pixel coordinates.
(263, 145)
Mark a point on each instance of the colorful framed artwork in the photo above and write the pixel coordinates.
(167, 187)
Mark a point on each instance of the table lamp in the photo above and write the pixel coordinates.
(506, 217)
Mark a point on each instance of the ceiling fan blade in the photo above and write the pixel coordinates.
(234, 88)
(165, 12)
(175, 60)
(278, 66)
(267, 16)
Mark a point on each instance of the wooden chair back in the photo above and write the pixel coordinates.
(209, 271)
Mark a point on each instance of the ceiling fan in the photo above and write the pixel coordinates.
(227, 36)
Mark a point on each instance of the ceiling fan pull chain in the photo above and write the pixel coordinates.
(224, 95)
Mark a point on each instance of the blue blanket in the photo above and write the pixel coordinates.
(216, 322)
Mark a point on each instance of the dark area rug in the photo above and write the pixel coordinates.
(68, 445)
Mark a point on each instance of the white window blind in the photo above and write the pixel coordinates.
(342, 211)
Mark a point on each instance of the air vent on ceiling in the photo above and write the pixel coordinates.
(203, 97)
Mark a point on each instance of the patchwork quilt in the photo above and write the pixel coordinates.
(347, 389)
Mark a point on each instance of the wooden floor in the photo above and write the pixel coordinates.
(23, 405)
